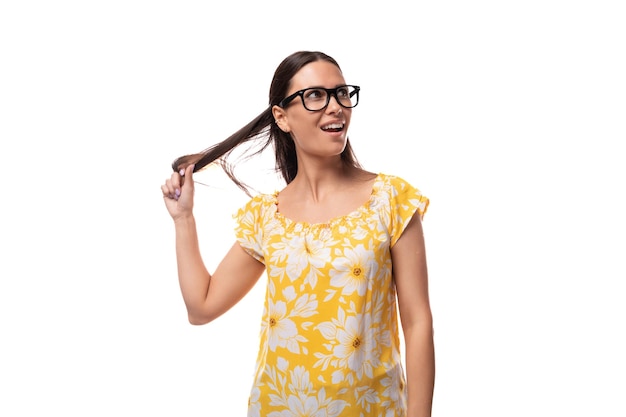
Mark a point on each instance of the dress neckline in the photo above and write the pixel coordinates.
(363, 208)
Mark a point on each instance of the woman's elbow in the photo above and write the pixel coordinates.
(198, 321)
(197, 318)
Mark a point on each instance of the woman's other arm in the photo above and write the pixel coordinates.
(411, 278)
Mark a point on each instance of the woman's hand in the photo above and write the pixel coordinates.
(178, 193)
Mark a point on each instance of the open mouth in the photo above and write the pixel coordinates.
(333, 127)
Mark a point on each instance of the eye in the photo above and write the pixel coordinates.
(315, 94)
(343, 92)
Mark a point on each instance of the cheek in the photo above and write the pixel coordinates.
(304, 124)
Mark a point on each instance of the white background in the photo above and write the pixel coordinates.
(510, 116)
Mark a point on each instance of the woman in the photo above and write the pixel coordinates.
(343, 251)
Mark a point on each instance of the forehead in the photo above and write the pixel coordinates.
(317, 74)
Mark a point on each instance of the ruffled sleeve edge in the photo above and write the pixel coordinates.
(412, 200)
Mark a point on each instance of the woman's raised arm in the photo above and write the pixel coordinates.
(206, 296)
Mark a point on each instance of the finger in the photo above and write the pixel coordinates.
(187, 174)
(175, 184)
(168, 192)
(173, 187)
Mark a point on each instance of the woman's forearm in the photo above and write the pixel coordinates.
(420, 364)
(193, 276)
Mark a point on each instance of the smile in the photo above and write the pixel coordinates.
(333, 127)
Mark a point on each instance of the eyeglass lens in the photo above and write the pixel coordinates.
(316, 98)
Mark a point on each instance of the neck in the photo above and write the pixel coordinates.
(316, 180)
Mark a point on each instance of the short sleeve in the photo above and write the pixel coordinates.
(248, 229)
(404, 201)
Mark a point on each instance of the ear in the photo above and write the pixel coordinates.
(280, 117)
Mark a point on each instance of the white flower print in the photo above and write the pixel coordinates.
(353, 345)
(273, 227)
(365, 396)
(250, 235)
(281, 329)
(329, 345)
(316, 252)
(299, 253)
(298, 257)
(354, 271)
(289, 293)
(285, 253)
(394, 385)
(305, 306)
(359, 232)
(311, 406)
(282, 364)
(300, 383)
(254, 407)
(356, 345)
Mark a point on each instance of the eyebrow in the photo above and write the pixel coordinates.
(324, 88)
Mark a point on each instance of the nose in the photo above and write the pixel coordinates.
(333, 104)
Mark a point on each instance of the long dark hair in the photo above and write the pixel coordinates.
(264, 129)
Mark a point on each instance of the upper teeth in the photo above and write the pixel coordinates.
(333, 126)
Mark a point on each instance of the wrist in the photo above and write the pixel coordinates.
(184, 220)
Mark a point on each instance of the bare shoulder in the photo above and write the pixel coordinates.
(362, 175)
(358, 184)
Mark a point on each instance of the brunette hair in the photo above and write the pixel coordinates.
(264, 129)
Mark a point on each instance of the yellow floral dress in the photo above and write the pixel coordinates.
(329, 342)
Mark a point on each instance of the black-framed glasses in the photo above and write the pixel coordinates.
(317, 98)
